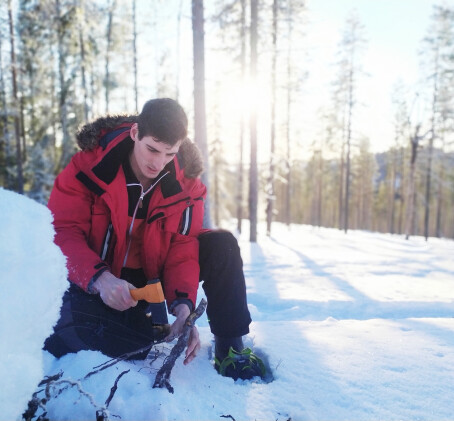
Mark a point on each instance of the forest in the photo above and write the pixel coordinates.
(239, 68)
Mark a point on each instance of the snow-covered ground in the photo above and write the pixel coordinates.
(355, 326)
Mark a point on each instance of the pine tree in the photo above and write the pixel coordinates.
(439, 49)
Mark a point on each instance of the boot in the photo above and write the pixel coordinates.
(235, 361)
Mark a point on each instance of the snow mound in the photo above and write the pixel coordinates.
(31, 263)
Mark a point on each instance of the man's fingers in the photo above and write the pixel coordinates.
(190, 355)
(194, 346)
(118, 296)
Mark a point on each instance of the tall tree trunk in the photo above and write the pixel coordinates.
(107, 81)
(177, 69)
(239, 196)
(134, 52)
(63, 106)
(401, 190)
(349, 141)
(253, 176)
(341, 184)
(270, 188)
(20, 177)
(288, 196)
(392, 199)
(430, 150)
(83, 72)
(200, 129)
(5, 140)
(438, 221)
(22, 125)
(411, 195)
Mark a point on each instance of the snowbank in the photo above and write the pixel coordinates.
(33, 279)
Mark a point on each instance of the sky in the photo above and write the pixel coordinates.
(353, 326)
(393, 29)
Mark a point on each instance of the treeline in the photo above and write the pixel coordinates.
(378, 194)
(63, 62)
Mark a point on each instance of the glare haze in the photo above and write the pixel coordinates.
(394, 31)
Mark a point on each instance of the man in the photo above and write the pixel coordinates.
(128, 210)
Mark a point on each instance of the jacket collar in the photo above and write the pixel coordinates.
(107, 168)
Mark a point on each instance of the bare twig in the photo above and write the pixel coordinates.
(70, 383)
(49, 379)
(123, 357)
(114, 387)
(102, 414)
(36, 402)
(163, 376)
(228, 416)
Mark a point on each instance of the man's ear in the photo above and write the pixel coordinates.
(134, 132)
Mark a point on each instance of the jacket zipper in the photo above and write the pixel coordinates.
(138, 205)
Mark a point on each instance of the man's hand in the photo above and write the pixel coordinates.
(182, 312)
(114, 291)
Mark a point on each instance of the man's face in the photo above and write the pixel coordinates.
(149, 157)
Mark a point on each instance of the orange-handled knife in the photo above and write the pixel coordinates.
(154, 295)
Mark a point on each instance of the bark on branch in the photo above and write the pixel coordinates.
(163, 376)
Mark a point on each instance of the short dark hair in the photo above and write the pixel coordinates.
(164, 119)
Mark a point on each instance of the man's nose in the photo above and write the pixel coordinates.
(161, 161)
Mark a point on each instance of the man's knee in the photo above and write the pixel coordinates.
(218, 242)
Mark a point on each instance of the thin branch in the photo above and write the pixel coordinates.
(115, 387)
(163, 376)
(123, 357)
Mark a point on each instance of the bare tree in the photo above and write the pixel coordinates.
(411, 191)
(83, 58)
(439, 50)
(178, 70)
(134, 52)
(239, 197)
(270, 187)
(5, 140)
(253, 176)
(200, 129)
(62, 30)
(431, 148)
(107, 79)
(352, 42)
(397, 160)
(20, 177)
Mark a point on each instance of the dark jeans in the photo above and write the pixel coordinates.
(86, 323)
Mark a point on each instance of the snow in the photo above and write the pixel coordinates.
(355, 326)
(33, 277)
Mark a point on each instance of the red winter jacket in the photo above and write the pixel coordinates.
(89, 202)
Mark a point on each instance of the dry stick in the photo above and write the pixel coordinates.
(102, 414)
(70, 383)
(123, 357)
(163, 376)
(114, 388)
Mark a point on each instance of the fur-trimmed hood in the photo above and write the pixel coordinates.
(89, 135)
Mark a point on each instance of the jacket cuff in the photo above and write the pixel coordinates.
(181, 301)
(90, 288)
